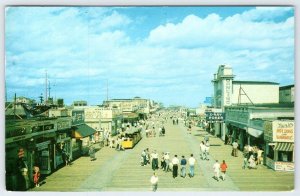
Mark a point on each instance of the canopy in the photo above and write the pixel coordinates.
(284, 146)
(84, 130)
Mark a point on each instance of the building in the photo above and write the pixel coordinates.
(101, 119)
(228, 92)
(82, 134)
(133, 109)
(245, 123)
(248, 110)
(25, 100)
(30, 142)
(287, 94)
(80, 103)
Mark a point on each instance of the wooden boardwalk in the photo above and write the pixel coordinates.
(121, 171)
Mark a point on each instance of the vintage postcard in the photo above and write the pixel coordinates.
(160, 98)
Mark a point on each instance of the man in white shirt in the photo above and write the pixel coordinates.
(216, 168)
(175, 162)
(234, 148)
(192, 161)
(202, 150)
(154, 159)
(167, 160)
(207, 145)
(154, 182)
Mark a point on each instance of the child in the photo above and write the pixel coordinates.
(36, 176)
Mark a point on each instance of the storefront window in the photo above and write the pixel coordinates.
(285, 156)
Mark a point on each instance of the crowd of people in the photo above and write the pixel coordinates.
(167, 164)
(252, 157)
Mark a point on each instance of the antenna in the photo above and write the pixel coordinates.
(244, 93)
(49, 88)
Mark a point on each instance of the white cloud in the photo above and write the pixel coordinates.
(82, 48)
(114, 20)
(266, 13)
(232, 32)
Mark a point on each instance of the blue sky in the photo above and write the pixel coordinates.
(168, 54)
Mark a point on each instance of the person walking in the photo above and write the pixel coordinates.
(143, 155)
(111, 141)
(36, 176)
(202, 151)
(154, 159)
(216, 168)
(65, 156)
(147, 156)
(192, 161)
(183, 167)
(175, 163)
(189, 130)
(92, 153)
(206, 138)
(167, 160)
(234, 148)
(163, 162)
(154, 182)
(206, 151)
(223, 167)
(245, 162)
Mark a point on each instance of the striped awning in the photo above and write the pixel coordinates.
(284, 146)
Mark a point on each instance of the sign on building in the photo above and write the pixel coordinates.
(283, 131)
(77, 117)
(213, 117)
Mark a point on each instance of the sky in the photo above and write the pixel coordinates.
(167, 54)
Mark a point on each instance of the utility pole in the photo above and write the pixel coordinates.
(49, 88)
(106, 89)
(15, 102)
(46, 89)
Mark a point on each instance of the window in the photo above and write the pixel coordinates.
(285, 156)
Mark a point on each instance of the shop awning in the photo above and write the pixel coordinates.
(255, 132)
(238, 125)
(284, 146)
(84, 130)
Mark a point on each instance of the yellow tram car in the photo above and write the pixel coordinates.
(131, 139)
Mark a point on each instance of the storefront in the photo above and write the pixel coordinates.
(62, 142)
(30, 142)
(83, 135)
(279, 144)
(215, 118)
(43, 156)
(237, 132)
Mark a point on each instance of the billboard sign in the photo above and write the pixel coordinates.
(77, 117)
(213, 117)
(283, 131)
